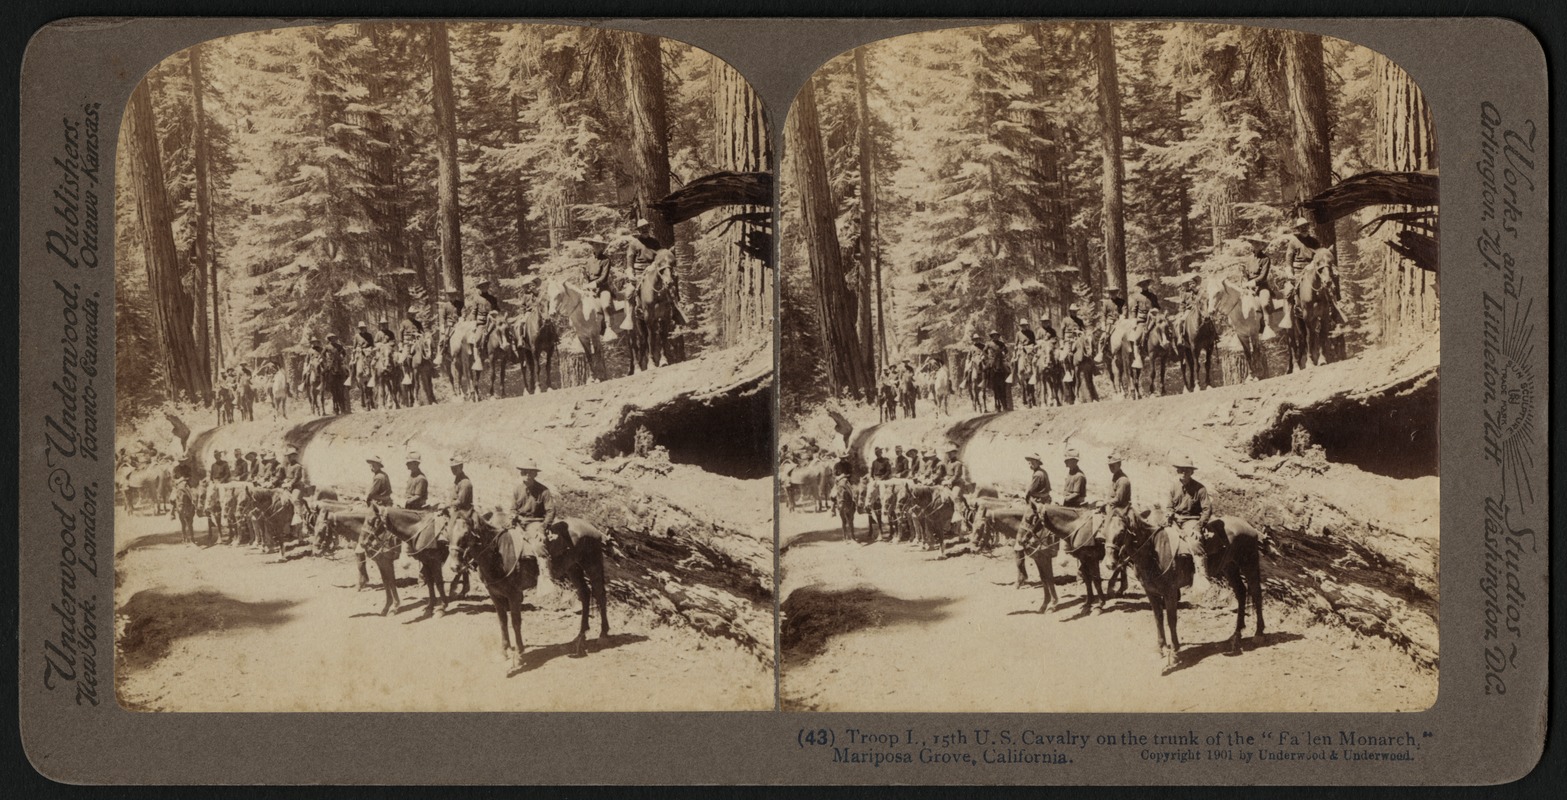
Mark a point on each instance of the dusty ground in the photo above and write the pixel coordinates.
(1351, 587)
(224, 629)
(914, 632)
(691, 599)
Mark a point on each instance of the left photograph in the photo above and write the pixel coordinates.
(444, 375)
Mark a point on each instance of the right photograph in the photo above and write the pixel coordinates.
(1109, 375)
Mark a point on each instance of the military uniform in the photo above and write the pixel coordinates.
(881, 468)
(534, 503)
(380, 493)
(417, 492)
(1075, 488)
(996, 372)
(220, 471)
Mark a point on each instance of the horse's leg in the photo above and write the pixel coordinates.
(1156, 602)
(1233, 575)
(515, 602)
(580, 580)
(1172, 605)
(600, 593)
(1047, 581)
(1253, 577)
(502, 606)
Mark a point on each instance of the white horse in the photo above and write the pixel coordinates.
(1244, 311)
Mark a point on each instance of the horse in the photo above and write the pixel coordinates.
(813, 479)
(1195, 340)
(313, 382)
(1077, 361)
(1313, 312)
(155, 481)
(1160, 346)
(1048, 371)
(361, 375)
(536, 339)
(375, 539)
(1246, 314)
(424, 540)
(585, 317)
(279, 393)
(929, 511)
(1025, 372)
(868, 499)
(386, 375)
(1122, 356)
(1080, 530)
(461, 359)
(894, 495)
(271, 512)
(654, 317)
(1232, 549)
(995, 518)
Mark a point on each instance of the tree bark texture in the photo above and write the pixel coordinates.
(644, 82)
(803, 138)
(1310, 162)
(867, 210)
(449, 214)
(171, 306)
(746, 302)
(1405, 141)
(1114, 172)
(206, 272)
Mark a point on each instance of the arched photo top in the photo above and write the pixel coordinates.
(1039, 254)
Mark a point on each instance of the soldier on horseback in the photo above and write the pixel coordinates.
(1189, 512)
(416, 492)
(1301, 253)
(1142, 307)
(489, 312)
(1029, 533)
(532, 503)
(1075, 489)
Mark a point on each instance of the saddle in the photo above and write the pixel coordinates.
(513, 546)
(1166, 544)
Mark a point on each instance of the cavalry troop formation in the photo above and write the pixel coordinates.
(1140, 337)
(473, 342)
(932, 502)
(266, 502)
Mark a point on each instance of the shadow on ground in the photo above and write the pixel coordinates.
(811, 616)
(155, 620)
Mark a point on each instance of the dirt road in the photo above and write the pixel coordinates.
(226, 629)
(891, 628)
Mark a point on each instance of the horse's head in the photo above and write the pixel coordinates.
(461, 539)
(554, 295)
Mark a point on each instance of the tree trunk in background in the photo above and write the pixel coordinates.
(1183, 208)
(449, 215)
(1310, 159)
(746, 302)
(644, 81)
(867, 210)
(1114, 171)
(203, 218)
(1409, 295)
(389, 211)
(171, 306)
(803, 138)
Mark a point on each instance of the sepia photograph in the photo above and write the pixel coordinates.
(444, 375)
(1112, 375)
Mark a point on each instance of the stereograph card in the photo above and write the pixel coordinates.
(992, 401)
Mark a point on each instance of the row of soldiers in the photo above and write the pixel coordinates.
(1187, 507)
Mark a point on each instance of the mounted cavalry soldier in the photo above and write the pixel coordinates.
(881, 468)
(462, 491)
(334, 368)
(532, 503)
(1300, 253)
(1120, 500)
(365, 340)
(1189, 512)
(384, 333)
(241, 468)
(294, 482)
(995, 364)
(1029, 534)
(416, 492)
(1075, 489)
(1143, 305)
(1258, 271)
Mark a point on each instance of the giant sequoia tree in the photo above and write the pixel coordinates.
(170, 299)
(846, 368)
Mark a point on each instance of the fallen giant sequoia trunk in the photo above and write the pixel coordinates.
(693, 521)
(1338, 463)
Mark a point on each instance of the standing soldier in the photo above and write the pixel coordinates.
(416, 493)
(1189, 514)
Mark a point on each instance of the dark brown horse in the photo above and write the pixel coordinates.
(573, 552)
(1231, 548)
(1195, 340)
(536, 338)
(496, 555)
(1081, 531)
